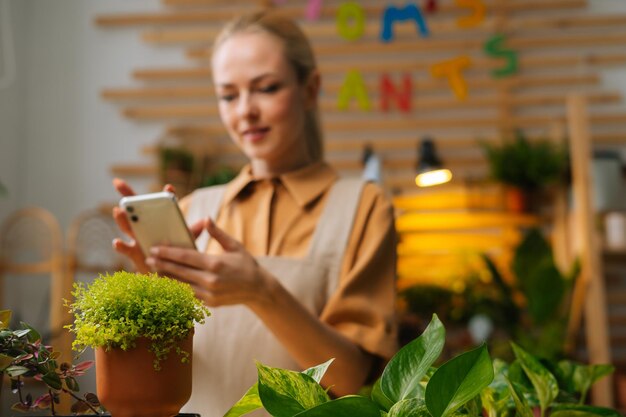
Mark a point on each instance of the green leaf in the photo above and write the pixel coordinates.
(5, 361)
(411, 407)
(14, 371)
(52, 380)
(33, 335)
(404, 372)
(567, 410)
(286, 393)
(545, 289)
(5, 319)
(521, 405)
(379, 397)
(317, 372)
(586, 375)
(72, 384)
(348, 406)
(249, 402)
(458, 381)
(543, 381)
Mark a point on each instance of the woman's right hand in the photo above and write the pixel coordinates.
(131, 249)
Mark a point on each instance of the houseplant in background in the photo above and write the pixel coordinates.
(141, 327)
(470, 384)
(525, 167)
(24, 356)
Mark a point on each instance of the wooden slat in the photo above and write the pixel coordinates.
(375, 123)
(414, 222)
(589, 288)
(333, 86)
(329, 106)
(328, 29)
(468, 45)
(297, 11)
(377, 66)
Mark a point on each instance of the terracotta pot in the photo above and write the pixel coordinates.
(128, 386)
(516, 200)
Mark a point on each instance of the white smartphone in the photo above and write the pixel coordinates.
(156, 220)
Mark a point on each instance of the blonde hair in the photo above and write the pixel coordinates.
(298, 52)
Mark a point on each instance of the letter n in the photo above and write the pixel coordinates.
(388, 92)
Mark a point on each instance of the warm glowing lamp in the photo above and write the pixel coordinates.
(430, 170)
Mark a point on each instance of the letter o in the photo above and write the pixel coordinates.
(350, 11)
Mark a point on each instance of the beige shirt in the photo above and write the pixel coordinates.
(278, 216)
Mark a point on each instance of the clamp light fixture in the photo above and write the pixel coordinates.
(430, 170)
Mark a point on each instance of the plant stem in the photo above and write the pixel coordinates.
(52, 410)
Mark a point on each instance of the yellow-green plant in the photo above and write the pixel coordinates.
(115, 310)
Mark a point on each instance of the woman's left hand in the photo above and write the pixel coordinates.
(233, 277)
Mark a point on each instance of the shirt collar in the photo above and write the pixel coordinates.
(304, 184)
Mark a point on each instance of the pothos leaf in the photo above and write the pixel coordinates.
(286, 393)
(458, 381)
(543, 381)
(404, 372)
(411, 407)
(317, 372)
(249, 402)
(348, 406)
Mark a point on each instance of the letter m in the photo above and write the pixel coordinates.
(393, 14)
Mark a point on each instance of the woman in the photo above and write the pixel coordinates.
(300, 265)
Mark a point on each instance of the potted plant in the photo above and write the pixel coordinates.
(141, 327)
(24, 356)
(470, 384)
(525, 166)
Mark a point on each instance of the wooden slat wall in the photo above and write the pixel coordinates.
(560, 47)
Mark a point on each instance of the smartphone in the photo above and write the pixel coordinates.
(155, 219)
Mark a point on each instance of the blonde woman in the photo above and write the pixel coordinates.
(298, 263)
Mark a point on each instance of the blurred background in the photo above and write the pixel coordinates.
(505, 94)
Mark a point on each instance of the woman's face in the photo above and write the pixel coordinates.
(261, 102)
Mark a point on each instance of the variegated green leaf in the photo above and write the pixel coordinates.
(379, 397)
(543, 381)
(317, 372)
(404, 372)
(411, 407)
(583, 411)
(286, 393)
(521, 405)
(586, 375)
(249, 402)
(348, 406)
(458, 381)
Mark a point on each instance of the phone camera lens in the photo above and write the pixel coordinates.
(134, 218)
(130, 209)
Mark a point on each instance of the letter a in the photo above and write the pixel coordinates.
(353, 86)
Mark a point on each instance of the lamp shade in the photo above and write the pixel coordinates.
(430, 170)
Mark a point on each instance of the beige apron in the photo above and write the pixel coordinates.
(233, 338)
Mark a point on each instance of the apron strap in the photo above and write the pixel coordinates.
(334, 226)
(205, 202)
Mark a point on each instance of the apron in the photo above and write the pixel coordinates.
(226, 347)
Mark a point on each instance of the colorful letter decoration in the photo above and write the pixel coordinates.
(477, 16)
(350, 11)
(353, 86)
(453, 70)
(408, 12)
(314, 9)
(431, 6)
(495, 47)
(388, 91)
